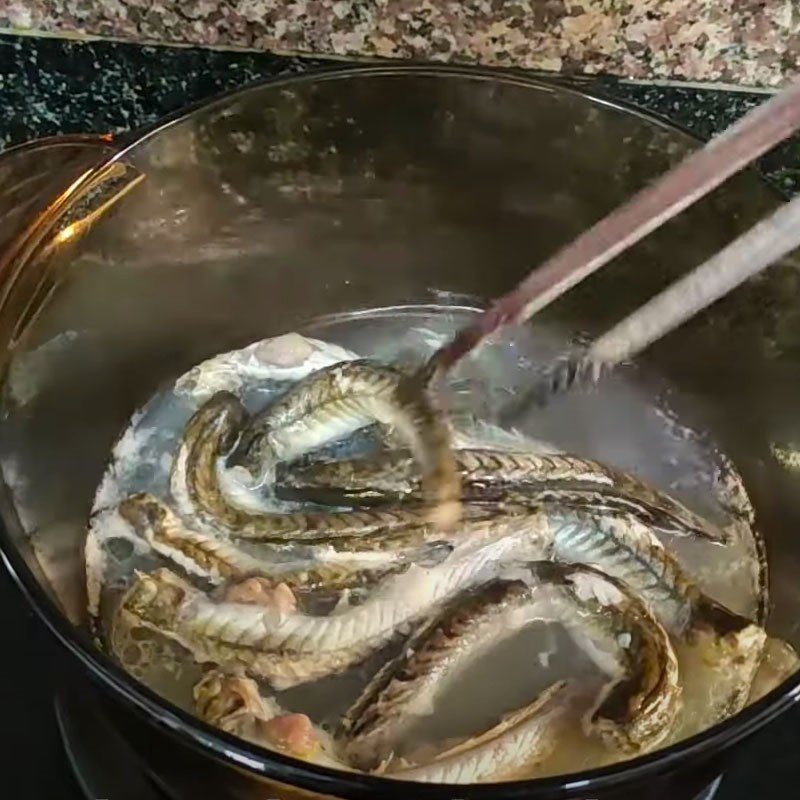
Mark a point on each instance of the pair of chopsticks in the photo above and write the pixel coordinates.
(697, 175)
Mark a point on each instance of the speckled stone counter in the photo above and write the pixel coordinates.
(49, 86)
(746, 42)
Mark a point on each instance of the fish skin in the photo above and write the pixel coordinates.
(394, 697)
(216, 560)
(636, 711)
(600, 502)
(194, 484)
(204, 556)
(338, 400)
(633, 713)
(487, 474)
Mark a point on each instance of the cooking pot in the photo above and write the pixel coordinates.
(124, 262)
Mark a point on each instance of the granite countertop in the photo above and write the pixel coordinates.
(51, 86)
(745, 42)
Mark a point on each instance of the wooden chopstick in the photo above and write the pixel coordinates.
(695, 176)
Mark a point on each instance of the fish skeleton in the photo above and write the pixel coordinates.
(291, 648)
(338, 400)
(233, 704)
(626, 549)
(216, 560)
(521, 740)
(194, 483)
(634, 711)
(486, 474)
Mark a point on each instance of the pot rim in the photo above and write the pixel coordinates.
(297, 773)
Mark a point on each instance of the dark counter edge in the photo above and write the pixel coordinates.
(50, 86)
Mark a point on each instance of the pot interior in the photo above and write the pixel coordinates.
(272, 209)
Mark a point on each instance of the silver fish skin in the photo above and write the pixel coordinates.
(195, 486)
(634, 711)
(338, 400)
(488, 474)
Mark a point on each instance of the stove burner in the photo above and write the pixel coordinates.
(102, 762)
(105, 766)
(709, 793)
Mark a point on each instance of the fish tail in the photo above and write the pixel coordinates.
(709, 614)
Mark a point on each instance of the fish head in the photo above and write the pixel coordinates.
(732, 635)
(734, 657)
(156, 597)
(218, 421)
(253, 451)
(144, 512)
(740, 650)
(219, 695)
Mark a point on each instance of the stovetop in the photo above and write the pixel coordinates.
(48, 87)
